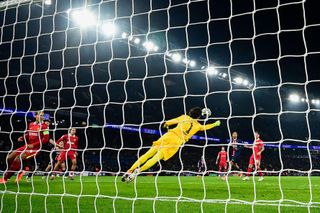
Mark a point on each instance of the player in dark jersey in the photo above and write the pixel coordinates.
(237, 146)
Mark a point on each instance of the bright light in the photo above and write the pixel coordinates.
(186, 61)
(148, 45)
(108, 28)
(124, 35)
(47, 2)
(313, 101)
(224, 75)
(212, 71)
(294, 98)
(130, 37)
(238, 80)
(176, 57)
(317, 102)
(84, 18)
(192, 63)
(203, 67)
(245, 82)
(156, 48)
(136, 40)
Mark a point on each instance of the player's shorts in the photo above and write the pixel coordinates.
(223, 164)
(168, 145)
(29, 152)
(253, 159)
(236, 158)
(67, 153)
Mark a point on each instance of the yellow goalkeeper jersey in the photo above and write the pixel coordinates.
(187, 127)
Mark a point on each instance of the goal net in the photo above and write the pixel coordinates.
(116, 71)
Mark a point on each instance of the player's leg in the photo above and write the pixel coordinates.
(73, 159)
(63, 169)
(259, 170)
(150, 153)
(15, 166)
(250, 168)
(151, 162)
(61, 159)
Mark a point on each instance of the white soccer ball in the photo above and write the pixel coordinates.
(206, 112)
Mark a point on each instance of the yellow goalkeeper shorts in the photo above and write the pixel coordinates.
(168, 145)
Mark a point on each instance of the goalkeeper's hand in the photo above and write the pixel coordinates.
(165, 126)
(217, 123)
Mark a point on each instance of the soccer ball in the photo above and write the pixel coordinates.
(206, 112)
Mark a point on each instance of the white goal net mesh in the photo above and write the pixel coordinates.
(116, 71)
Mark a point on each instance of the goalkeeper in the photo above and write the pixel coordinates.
(167, 145)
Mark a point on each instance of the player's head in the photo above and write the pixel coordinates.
(257, 135)
(234, 135)
(72, 131)
(39, 116)
(195, 112)
(222, 148)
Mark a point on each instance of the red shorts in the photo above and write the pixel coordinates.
(29, 152)
(253, 159)
(222, 164)
(67, 153)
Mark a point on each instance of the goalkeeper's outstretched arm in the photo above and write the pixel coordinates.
(210, 126)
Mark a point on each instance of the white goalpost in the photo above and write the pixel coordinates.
(117, 71)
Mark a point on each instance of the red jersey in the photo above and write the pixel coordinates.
(38, 133)
(222, 156)
(257, 146)
(70, 142)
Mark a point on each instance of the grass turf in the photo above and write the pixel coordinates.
(193, 194)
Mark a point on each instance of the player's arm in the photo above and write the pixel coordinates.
(210, 126)
(262, 149)
(217, 160)
(62, 138)
(173, 121)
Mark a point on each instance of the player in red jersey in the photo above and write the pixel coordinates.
(222, 159)
(255, 159)
(36, 136)
(69, 150)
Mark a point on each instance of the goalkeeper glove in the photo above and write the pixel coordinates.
(217, 123)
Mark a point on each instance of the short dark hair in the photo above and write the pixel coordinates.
(195, 112)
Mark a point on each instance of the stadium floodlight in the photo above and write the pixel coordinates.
(313, 101)
(224, 75)
(245, 82)
(212, 71)
(124, 35)
(203, 67)
(108, 28)
(155, 48)
(136, 40)
(83, 18)
(238, 80)
(47, 2)
(192, 63)
(317, 101)
(303, 100)
(130, 37)
(294, 98)
(148, 45)
(186, 61)
(176, 57)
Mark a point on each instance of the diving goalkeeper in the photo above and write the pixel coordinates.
(168, 144)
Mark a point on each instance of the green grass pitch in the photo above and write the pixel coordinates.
(190, 194)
